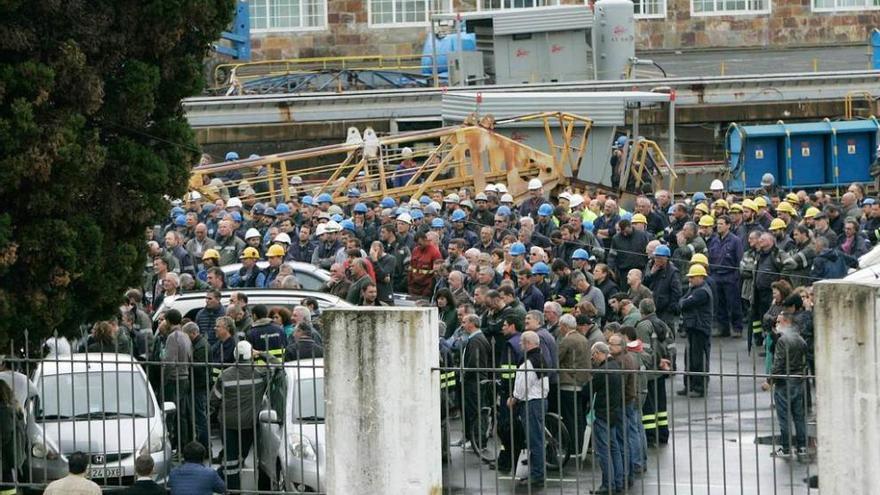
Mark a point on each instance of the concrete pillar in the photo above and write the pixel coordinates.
(382, 401)
(848, 386)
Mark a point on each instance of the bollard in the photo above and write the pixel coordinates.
(382, 401)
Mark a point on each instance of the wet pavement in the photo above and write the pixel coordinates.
(720, 444)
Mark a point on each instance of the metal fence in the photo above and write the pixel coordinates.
(263, 425)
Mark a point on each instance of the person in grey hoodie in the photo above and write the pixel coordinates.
(177, 361)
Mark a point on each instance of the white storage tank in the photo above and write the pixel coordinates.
(614, 38)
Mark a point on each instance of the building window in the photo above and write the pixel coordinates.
(650, 9)
(514, 4)
(845, 5)
(288, 15)
(405, 13)
(729, 7)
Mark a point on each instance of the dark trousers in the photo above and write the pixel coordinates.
(471, 413)
(570, 408)
(237, 445)
(654, 414)
(697, 359)
(607, 440)
(200, 416)
(511, 436)
(178, 392)
(531, 414)
(760, 305)
(788, 396)
(728, 311)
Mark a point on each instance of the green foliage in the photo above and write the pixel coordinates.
(92, 137)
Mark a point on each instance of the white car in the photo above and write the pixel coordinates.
(310, 276)
(190, 303)
(100, 404)
(291, 430)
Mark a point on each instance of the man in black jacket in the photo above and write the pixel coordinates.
(144, 485)
(383, 265)
(696, 320)
(607, 385)
(665, 284)
(477, 354)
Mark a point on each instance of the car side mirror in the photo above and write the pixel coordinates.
(268, 416)
(168, 407)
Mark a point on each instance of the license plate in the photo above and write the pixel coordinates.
(113, 472)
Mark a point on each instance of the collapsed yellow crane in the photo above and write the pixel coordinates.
(471, 154)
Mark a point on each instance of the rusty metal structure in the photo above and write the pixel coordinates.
(472, 154)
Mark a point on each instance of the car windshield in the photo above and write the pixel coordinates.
(308, 400)
(94, 395)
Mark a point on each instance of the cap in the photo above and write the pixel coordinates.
(336, 217)
(194, 196)
(296, 180)
(180, 220)
(323, 216)
(517, 249)
(252, 232)
(587, 225)
(282, 238)
(334, 210)
(250, 253)
(417, 215)
(430, 210)
(707, 221)
(639, 218)
(696, 271)
(699, 196)
(662, 250)
(435, 205)
(424, 200)
(777, 224)
(406, 153)
(354, 192)
(535, 184)
(565, 195)
(275, 250)
(359, 208)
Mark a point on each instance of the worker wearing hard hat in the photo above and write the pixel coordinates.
(697, 313)
(778, 228)
(717, 189)
(529, 207)
(249, 275)
(275, 255)
(788, 214)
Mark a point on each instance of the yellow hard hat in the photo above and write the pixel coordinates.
(707, 221)
(250, 253)
(721, 203)
(786, 207)
(748, 203)
(697, 271)
(211, 254)
(275, 250)
(811, 212)
(760, 202)
(702, 207)
(699, 259)
(639, 218)
(736, 208)
(793, 198)
(777, 224)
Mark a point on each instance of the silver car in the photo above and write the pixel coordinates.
(100, 404)
(291, 431)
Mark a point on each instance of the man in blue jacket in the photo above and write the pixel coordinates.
(696, 320)
(193, 477)
(725, 253)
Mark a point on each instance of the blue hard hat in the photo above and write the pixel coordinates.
(180, 220)
(177, 211)
(360, 208)
(699, 196)
(387, 203)
(587, 225)
(308, 201)
(424, 200)
(517, 249)
(325, 198)
(458, 216)
(282, 208)
(258, 209)
(231, 156)
(868, 201)
(620, 142)
(540, 268)
(580, 254)
(503, 210)
(337, 218)
(236, 216)
(438, 223)
(662, 251)
(626, 216)
(347, 225)
(208, 208)
(545, 210)
(417, 214)
(270, 212)
(671, 210)
(354, 192)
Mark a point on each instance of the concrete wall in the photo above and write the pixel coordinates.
(383, 401)
(848, 386)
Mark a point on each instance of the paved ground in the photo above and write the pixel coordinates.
(742, 62)
(712, 448)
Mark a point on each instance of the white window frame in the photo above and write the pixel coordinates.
(764, 11)
(322, 27)
(660, 15)
(446, 7)
(550, 3)
(869, 5)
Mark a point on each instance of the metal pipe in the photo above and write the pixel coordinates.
(434, 71)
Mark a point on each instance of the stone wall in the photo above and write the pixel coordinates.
(790, 23)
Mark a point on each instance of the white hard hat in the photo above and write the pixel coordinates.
(295, 180)
(405, 218)
(575, 200)
(452, 198)
(406, 153)
(244, 351)
(565, 195)
(332, 227)
(233, 203)
(282, 237)
(506, 198)
(490, 188)
(414, 203)
(535, 184)
(252, 232)
(320, 230)
(195, 196)
(716, 185)
(767, 180)
(501, 188)
(435, 205)
(334, 210)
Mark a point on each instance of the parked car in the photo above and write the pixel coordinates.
(190, 303)
(100, 404)
(291, 429)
